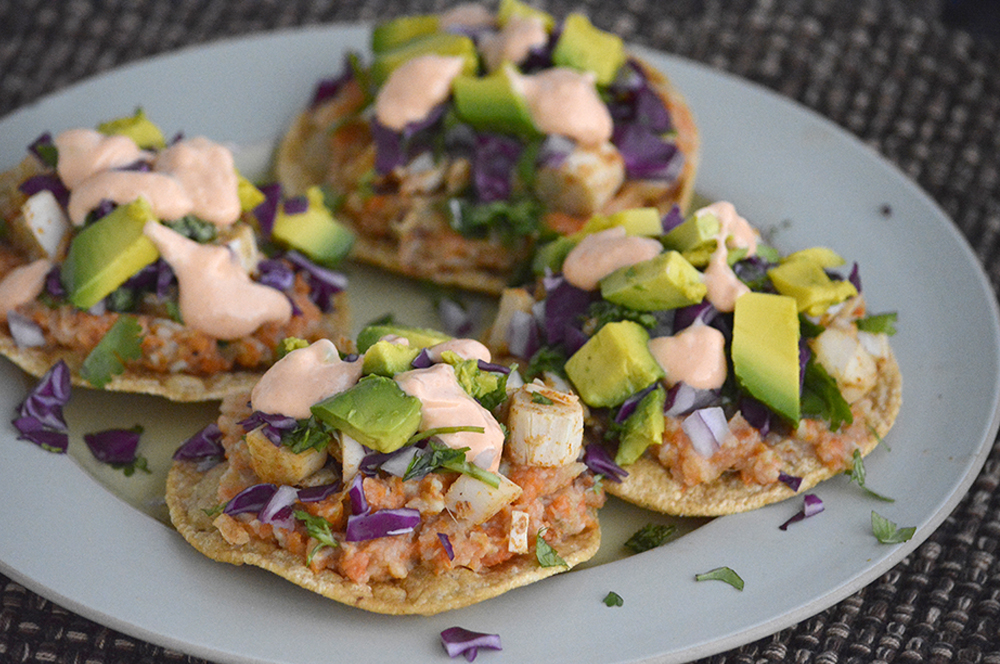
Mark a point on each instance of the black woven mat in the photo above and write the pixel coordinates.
(924, 94)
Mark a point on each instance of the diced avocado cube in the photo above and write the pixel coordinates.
(492, 103)
(814, 291)
(666, 281)
(388, 359)
(510, 8)
(766, 351)
(587, 48)
(106, 253)
(398, 31)
(375, 412)
(642, 428)
(419, 337)
(644, 222)
(137, 127)
(250, 195)
(315, 232)
(695, 233)
(552, 254)
(438, 43)
(822, 256)
(613, 364)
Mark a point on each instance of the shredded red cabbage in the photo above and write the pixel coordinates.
(278, 511)
(46, 182)
(323, 283)
(565, 308)
(44, 148)
(756, 413)
(683, 399)
(811, 506)
(315, 494)
(704, 312)
(251, 499)
(327, 88)
(493, 165)
(356, 492)
(206, 444)
(493, 366)
(42, 408)
(156, 277)
(792, 481)
(396, 148)
(275, 273)
(672, 219)
(599, 461)
(267, 210)
(394, 463)
(295, 205)
(446, 545)
(855, 277)
(459, 641)
(274, 425)
(113, 446)
(804, 354)
(383, 523)
(647, 156)
(554, 150)
(629, 405)
(53, 283)
(422, 360)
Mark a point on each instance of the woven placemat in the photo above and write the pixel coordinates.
(923, 94)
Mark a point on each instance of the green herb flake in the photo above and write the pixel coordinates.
(317, 528)
(441, 456)
(288, 344)
(539, 398)
(887, 532)
(139, 463)
(546, 555)
(121, 343)
(310, 433)
(857, 474)
(878, 323)
(649, 537)
(613, 599)
(722, 574)
(213, 511)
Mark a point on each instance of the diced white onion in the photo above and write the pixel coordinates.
(25, 331)
(707, 429)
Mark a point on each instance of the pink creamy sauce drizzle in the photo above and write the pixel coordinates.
(194, 176)
(217, 296)
(414, 88)
(514, 42)
(445, 404)
(467, 349)
(22, 285)
(599, 254)
(722, 283)
(565, 102)
(696, 356)
(302, 378)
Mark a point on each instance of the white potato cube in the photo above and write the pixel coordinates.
(278, 464)
(847, 361)
(546, 426)
(45, 221)
(474, 501)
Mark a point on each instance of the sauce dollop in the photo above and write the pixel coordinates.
(302, 378)
(217, 296)
(722, 283)
(565, 102)
(23, 284)
(515, 42)
(599, 254)
(696, 355)
(414, 88)
(445, 404)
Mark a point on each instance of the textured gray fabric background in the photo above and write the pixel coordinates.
(923, 93)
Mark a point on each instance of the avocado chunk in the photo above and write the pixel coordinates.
(375, 412)
(822, 256)
(438, 43)
(315, 232)
(766, 351)
(492, 103)
(106, 253)
(806, 281)
(587, 48)
(388, 359)
(644, 427)
(697, 232)
(250, 196)
(613, 364)
(666, 281)
(419, 337)
(137, 127)
(552, 254)
(398, 31)
(644, 222)
(511, 8)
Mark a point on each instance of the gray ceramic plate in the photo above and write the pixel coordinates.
(84, 538)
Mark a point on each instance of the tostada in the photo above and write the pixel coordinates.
(411, 479)
(471, 134)
(719, 375)
(154, 266)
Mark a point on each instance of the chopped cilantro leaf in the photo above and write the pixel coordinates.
(121, 343)
(438, 455)
(603, 312)
(879, 323)
(545, 554)
(539, 398)
(545, 359)
(318, 528)
(649, 537)
(508, 220)
(809, 329)
(722, 574)
(822, 399)
(613, 599)
(194, 228)
(887, 532)
(857, 474)
(310, 433)
(138, 463)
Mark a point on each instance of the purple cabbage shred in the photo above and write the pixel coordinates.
(251, 499)
(811, 506)
(383, 523)
(446, 545)
(206, 444)
(46, 182)
(599, 461)
(114, 446)
(459, 641)
(40, 417)
(493, 166)
(315, 494)
(267, 211)
(323, 283)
